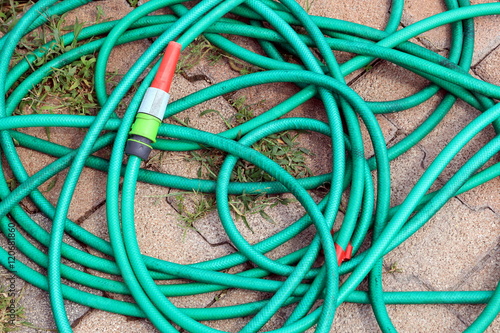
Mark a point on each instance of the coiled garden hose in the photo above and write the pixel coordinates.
(279, 27)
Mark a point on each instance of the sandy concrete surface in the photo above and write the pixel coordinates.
(458, 249)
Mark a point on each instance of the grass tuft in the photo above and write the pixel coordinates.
(201, 48)
(12, 314)
(283, 148)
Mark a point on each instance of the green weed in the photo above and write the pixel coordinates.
(195, 52)
(7, 323)
(246, 204)
(241, 205)
(133, 3)
(69, 88)
(202, 204)
(12, 183)
(282, 147)
(201, 48)
(244, 111)
(308, 5)
(9, 13)
(393, 269)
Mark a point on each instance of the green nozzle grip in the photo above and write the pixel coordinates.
(145, 125)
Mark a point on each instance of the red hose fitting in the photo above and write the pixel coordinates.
(340, 253)
(348, 251)
(343, 255)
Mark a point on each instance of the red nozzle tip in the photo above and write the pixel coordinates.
(165, 75)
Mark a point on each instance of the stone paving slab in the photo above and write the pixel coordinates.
(424, 318)
(157, 223)
(159, 227)
(387, 82)
(449, 248)
(437, 39)
(388, 129)
(234, 297)
(417, 318)
(354, 318)
(101, 321)
(111, 10)
(488, 68)
(460, 242)
(258, 228)
(484, 196)
(38, 311)
(88, 194)
(403, 182)
(371, 13)
(485, 274)
(487, 38)
(36, 301)
(457, 118)
(212, 122)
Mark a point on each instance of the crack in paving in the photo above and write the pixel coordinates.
(478, 63)
(213, 245)
(197, 77)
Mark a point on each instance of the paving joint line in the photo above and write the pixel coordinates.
(89, 212)
(375, 63)
(478, 267)
(77, 321)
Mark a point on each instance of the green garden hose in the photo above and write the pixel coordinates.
(280, 28)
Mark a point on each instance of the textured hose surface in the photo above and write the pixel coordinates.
(295, 48)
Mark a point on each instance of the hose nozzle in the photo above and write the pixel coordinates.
(153, 106)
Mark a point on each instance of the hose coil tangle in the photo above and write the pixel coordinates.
(310, 281)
